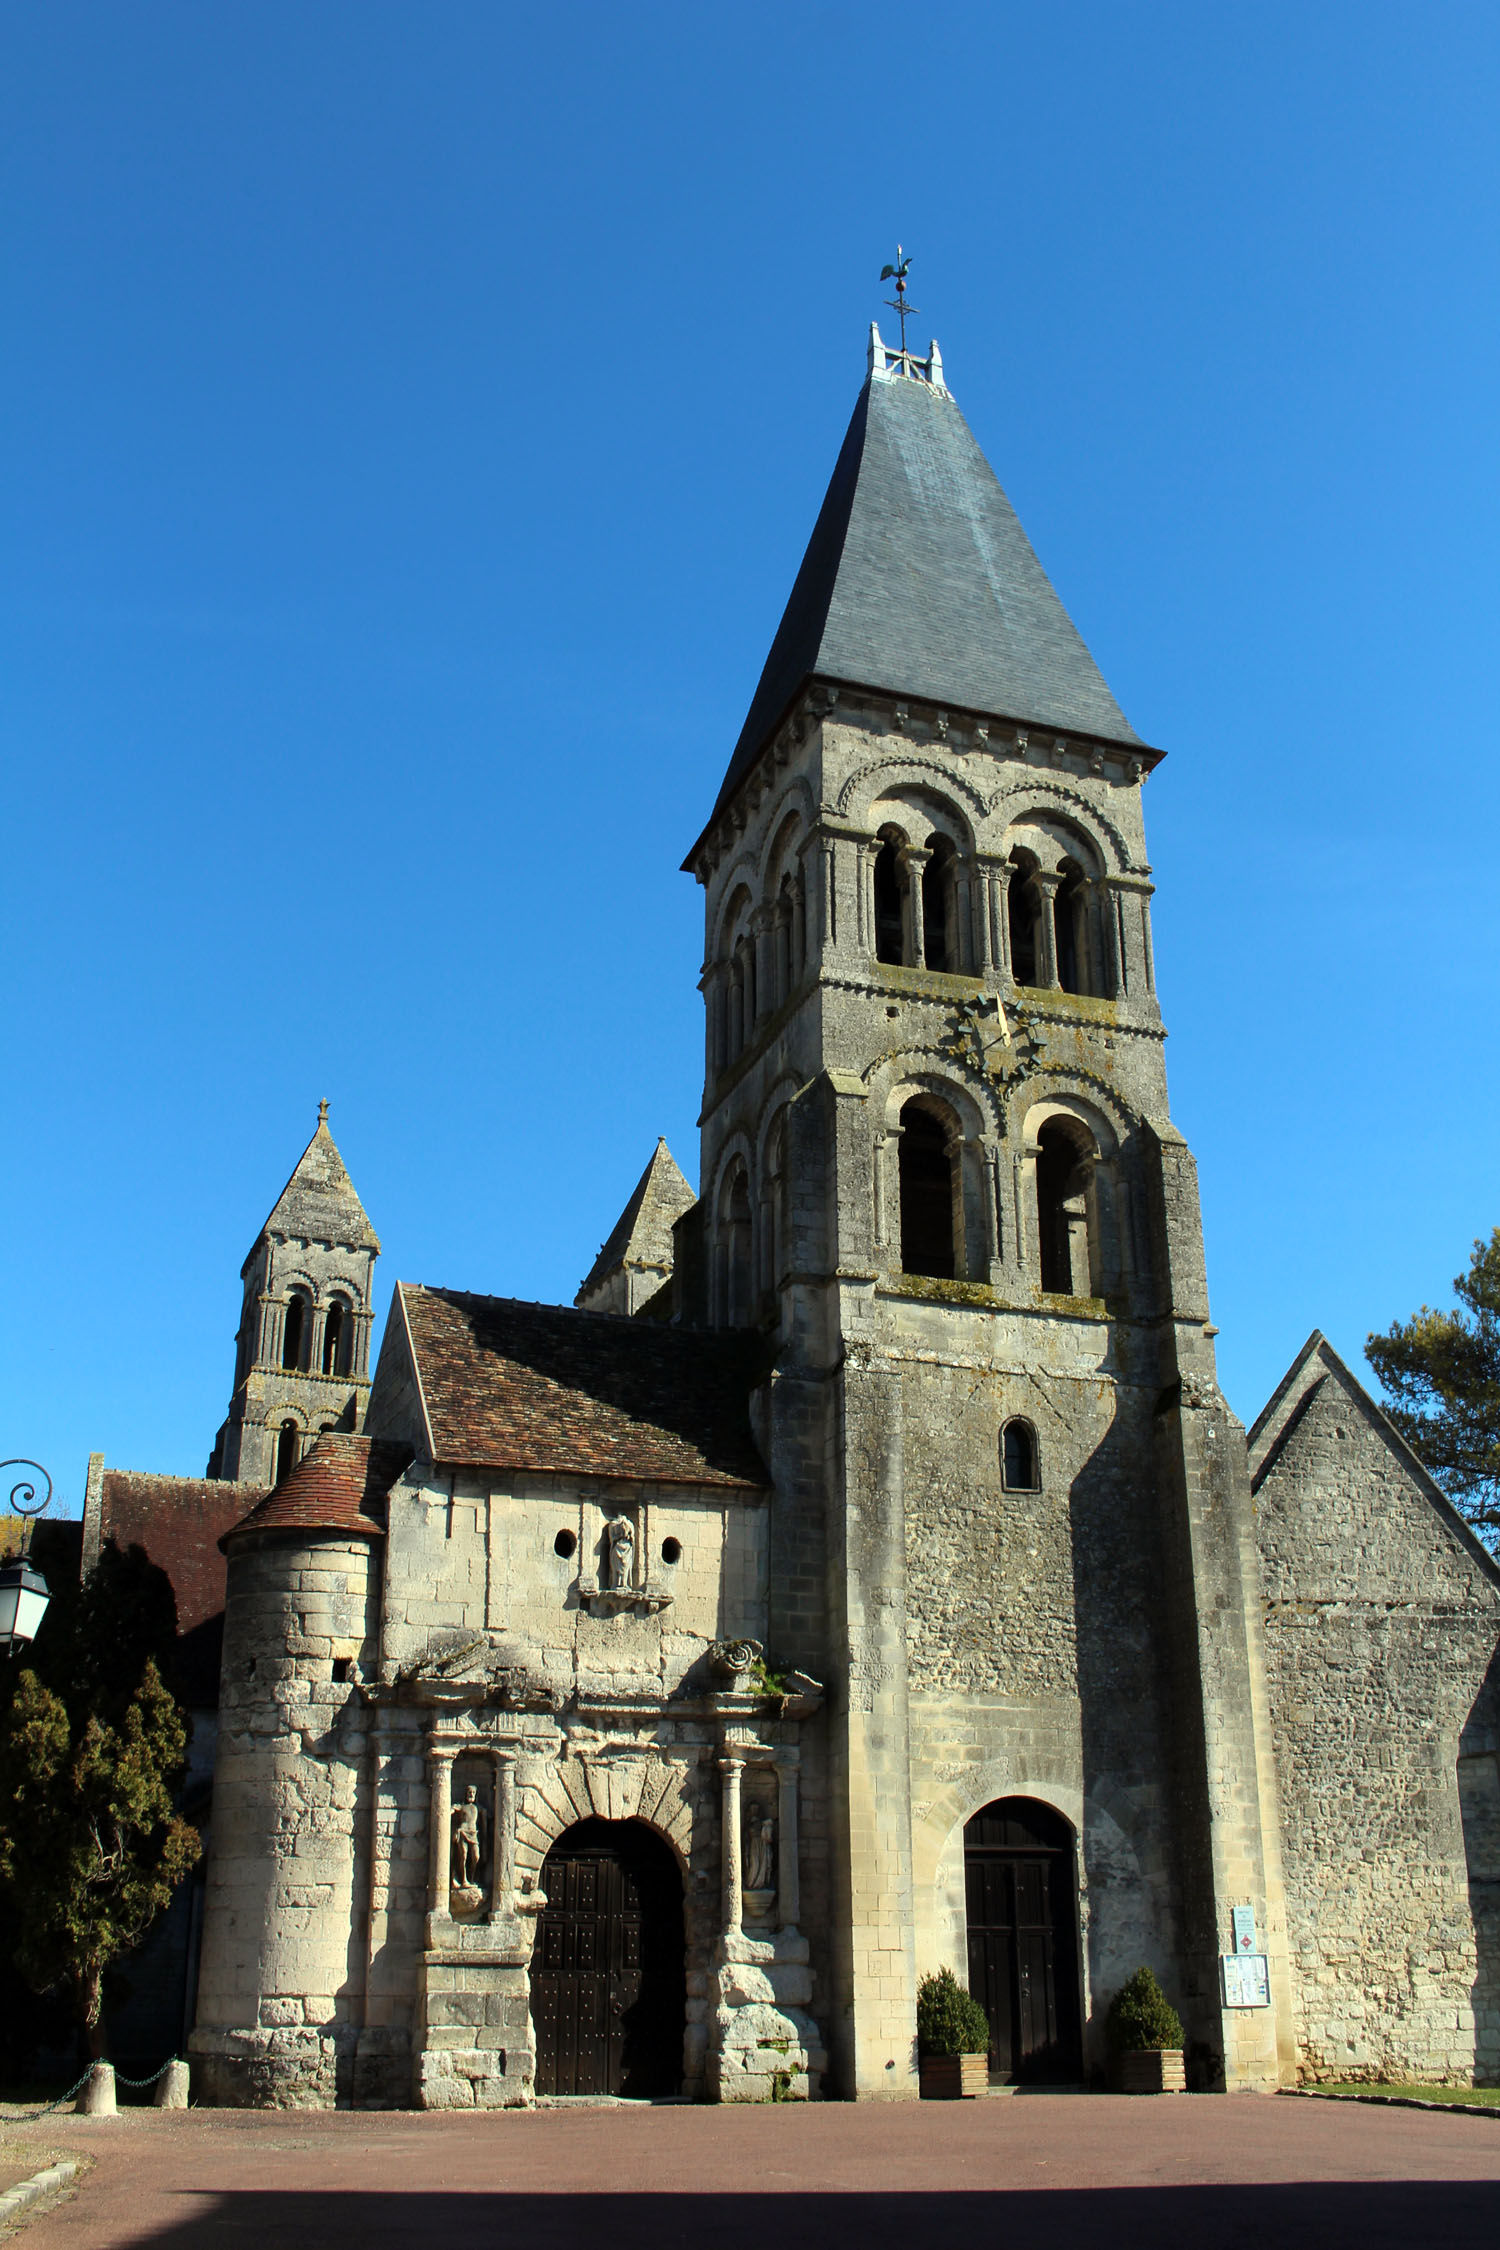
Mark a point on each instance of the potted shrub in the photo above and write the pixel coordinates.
(1145, 2037)
(953, 2039)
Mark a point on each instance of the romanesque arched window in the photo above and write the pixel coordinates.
(1022, 906)
(928, 1198)
(890, 912)
(1019, 1466)
(938, 930)
(335, 1338)
(286, 1450)
(294, 1331)
(1062, 1179)
(1069, 912)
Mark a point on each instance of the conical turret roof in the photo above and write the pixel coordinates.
(642, 1235)
(318, 1203)
(919, 581)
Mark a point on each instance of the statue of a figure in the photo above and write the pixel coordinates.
(620, 1537)
(467, 1852)
(760, 1855)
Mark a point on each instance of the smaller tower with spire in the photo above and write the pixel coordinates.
(302, 1360)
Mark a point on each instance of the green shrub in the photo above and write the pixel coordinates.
(950, 2021)
(1141, 2015)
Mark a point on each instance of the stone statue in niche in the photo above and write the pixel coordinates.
(619, 1539)
(466, 1852)
(759, 1863)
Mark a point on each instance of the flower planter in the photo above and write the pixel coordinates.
(954, 2078)
(1152, 2070)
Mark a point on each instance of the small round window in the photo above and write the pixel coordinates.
(565, 1544)
(1018, 1457)
(671, 1550)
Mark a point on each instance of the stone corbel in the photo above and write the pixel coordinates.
(610, 1601)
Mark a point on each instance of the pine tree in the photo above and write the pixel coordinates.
(1441, 1373)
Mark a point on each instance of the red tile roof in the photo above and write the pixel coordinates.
(340, 1484)
(179, 1521)
(520, 1386)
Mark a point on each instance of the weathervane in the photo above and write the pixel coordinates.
(898, 304)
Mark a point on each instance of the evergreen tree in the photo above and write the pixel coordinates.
(91, 1752)
(1441, 1374)
(90, 1849)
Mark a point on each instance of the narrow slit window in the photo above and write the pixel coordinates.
(1018, 1457)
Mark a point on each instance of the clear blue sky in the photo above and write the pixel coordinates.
(413, 419)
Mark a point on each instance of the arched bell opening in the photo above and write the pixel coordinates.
(929, 1192)
(1065, 1250)
(1021, 1904)
(608, 1969)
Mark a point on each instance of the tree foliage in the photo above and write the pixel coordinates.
(90, 1849)
(1441, 1375)
(91, 1752)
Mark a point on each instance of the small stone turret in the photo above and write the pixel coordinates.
(281, 1983)
(302, 1361)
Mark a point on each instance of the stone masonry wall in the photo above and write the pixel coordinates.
(280, 1988)
(1380, 1628)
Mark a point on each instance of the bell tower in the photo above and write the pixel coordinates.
(1012, 1519)
(302, 1352)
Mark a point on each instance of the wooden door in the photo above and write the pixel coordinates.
(1019, 1888)
(607, 1972)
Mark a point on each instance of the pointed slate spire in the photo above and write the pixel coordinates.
(919, 581)
(318, 1203)
(637, 1259)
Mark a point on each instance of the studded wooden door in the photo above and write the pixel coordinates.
(1019, 1888)
(607, 1981)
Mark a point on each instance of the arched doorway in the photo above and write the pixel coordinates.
(1021, 1896)
(608, 1981)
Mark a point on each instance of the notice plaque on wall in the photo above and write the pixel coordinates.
(1247, 1980)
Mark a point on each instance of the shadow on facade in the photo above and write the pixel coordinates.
(1479, 1802)
(1131, 1763)
(1302, 2216)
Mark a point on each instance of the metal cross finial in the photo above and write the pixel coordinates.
(898, 304)
(322, 1113)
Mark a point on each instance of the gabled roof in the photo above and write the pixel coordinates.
(340, 1484)
(642, 1235)
(179, 1521)
(509, 1385)
(318, 1203)
(919, 581)
(1274, 1426)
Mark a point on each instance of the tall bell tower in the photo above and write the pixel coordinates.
(302, 1351)
(1011, 1517)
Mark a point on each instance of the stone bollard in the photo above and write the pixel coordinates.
(98, 2096)
(172, 2087)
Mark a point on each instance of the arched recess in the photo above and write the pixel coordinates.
(609, 1964)
(1063, 1148)
(296, 1330)
(288, 1447)
(733, 1251)
(338, 1336)
(1022, 1935)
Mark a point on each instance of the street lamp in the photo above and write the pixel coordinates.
(23, 1589)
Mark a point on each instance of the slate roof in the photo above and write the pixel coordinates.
(318, 1203)
(642, 1235)
(340, 1484)
(918, 580)
(546, 1387)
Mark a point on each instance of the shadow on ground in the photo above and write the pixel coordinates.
(1317, 2214)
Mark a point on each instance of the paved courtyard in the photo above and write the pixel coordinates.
(1053, 2171)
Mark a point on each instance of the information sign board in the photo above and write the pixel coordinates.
(1247, 1980)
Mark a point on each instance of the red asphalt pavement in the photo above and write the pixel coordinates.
(1036, 2172)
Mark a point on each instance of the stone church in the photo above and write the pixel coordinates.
(867, 1573)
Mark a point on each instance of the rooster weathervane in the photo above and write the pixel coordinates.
(898, 304)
